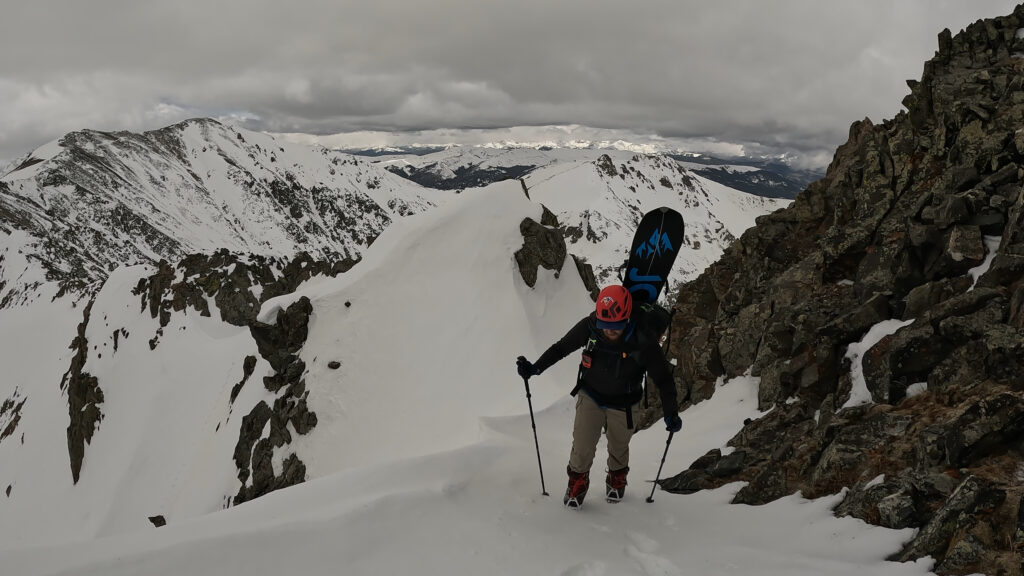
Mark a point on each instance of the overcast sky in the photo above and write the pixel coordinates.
(780, 76)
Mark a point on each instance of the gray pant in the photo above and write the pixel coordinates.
(586, 431)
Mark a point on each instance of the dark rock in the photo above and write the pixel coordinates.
(586, 272)
(548, 218)
(890, 504)
(988, 425)
(687, 482)
(158, 521)
(279, 344)
(968, 500)
(249, 433)
(953, 210)
(926, 296)
(989, 223)
(768, 485)
(84, 399)
(1018, 533)
(896, 511)
(542, 247)
(607, 166)
(10, 411)
(707, 460)
(248, 366)
(901, 359)
(728, 465)
(856, 322)
(334, 364)
(963, 554)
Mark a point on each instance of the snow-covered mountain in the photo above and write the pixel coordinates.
(75, 209)
(764, 177)
(453, 167)
(600, 200)
(421, 459)
(459, 167)
(599, 195)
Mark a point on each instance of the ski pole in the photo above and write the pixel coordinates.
(533, 422)
(658, 477)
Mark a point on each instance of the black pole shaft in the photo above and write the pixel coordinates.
(658, 477)
(529, 400)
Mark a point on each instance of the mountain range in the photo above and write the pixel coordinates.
(75, 209)
(453, 167)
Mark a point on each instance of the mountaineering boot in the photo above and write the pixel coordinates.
(577, 489)
(615, 484)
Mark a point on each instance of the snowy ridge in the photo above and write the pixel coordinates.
(93, 200)
(422, 461)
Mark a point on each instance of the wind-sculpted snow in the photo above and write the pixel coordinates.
(95, 200)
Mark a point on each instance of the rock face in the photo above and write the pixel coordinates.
(900, 229)
(84, 399)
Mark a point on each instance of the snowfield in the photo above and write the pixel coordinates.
(423, 458)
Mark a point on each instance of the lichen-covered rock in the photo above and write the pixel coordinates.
(896, 229)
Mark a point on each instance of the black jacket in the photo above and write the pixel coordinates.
(615, 376)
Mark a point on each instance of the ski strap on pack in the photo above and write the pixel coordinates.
(585, 363)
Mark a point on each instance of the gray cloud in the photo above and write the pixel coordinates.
(782, 76)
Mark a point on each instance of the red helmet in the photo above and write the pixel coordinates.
(614, 305)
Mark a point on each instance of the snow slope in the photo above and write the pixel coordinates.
(163, 446)
(423, 460)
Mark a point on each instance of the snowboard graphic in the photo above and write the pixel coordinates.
(655, 245)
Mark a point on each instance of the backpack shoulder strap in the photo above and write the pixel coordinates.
(586, 358)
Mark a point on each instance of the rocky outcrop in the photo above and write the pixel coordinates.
(544, 247)
(10, 414)
(278, 344)
(84, 399)
(236, 285)
(899, 229)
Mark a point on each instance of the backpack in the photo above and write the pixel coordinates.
(652, 322)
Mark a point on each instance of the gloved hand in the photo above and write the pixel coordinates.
(525, 367)
(673, 423)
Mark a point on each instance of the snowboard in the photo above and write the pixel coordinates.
(656, 242)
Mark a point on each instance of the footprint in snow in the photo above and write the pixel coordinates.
(643, 552)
